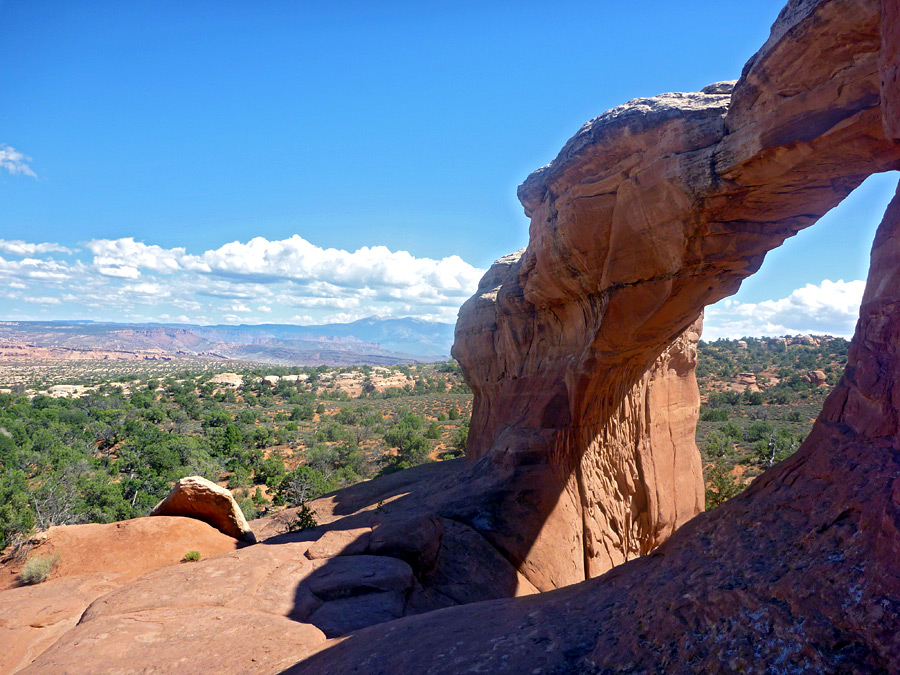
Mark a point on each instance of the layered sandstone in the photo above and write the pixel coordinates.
(650, 212)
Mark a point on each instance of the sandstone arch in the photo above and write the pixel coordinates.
(798, 574)
(650, 212)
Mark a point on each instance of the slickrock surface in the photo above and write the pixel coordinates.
(93, 560)
(196, 497)
(581, 352)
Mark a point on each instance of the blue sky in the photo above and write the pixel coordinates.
(216, 162)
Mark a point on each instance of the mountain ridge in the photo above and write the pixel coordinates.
(373, 340)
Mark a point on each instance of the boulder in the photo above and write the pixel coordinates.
(196, 497)
(817, 378)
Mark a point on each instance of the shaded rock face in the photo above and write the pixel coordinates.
(650, 212)
(196, 497)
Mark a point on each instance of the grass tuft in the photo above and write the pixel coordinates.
(38, 568)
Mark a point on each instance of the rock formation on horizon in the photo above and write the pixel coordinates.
(581, 353)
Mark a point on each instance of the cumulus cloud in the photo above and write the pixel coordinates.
(287, 280)
(831, 307)
(296, 260)
(126, 257)
(15, 162)
(35, 268)
(23, 248)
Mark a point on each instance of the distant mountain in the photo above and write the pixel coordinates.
(372, 341)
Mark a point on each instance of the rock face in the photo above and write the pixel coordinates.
(196, 497)
(650, 212)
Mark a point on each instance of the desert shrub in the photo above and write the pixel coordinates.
(305, 519)
(248, 508)
(191, 556)
(717, 444)
(777, 446)
(302, 484)
(714, 415)
(731, 430)
(240, 478)
(752, 397)
(720, 398)
(38, 568)
(758, 431)
(270, 471)
(720, 486)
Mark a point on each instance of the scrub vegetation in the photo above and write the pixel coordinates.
(280, 436)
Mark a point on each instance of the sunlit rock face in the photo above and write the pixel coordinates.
(580, 348)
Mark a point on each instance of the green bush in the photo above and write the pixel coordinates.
(718, 444)
(721, 486)
(38, 568)
(191, 556)
(433, 431)
(714, 415)
(305, 520)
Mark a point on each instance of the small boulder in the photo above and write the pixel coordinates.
(196, 497)
(817, 378)
(353, 575)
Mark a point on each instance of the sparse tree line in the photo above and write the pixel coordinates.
(110, 456)
(753, 430)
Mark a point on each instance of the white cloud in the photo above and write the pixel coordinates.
(831, 307)
(240, 282)
(15, 162)
(296, 260)
(22, 248)
(120, 272)
(42, 300)
(35, 268)
(125, 257)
